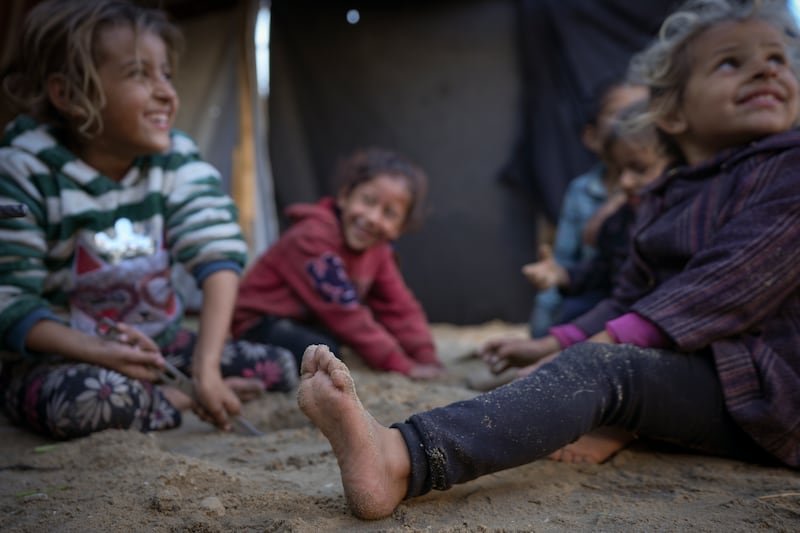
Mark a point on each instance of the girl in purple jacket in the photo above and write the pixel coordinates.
(698, 345)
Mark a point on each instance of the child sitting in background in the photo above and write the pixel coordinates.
(588, 199)
(332, 277)
(113, 198)
(634, 151)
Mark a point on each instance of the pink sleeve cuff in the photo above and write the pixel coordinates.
(567, 334)
(632, 328)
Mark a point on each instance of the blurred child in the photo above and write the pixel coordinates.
(332, 277)
(698, 345)
(588, 199)
(634, 151)
(113, 198)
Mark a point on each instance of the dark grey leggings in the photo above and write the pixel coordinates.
(656, 394)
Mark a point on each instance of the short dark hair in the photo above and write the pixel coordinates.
(365, 164)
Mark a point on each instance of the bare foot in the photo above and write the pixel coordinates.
(595, 447)
(373, 459)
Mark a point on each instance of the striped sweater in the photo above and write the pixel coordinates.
(91, 247)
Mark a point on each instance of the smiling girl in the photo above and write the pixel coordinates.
(333, 277)
(115, 197)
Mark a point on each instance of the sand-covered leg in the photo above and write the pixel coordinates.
(595, 447)
(373, 459)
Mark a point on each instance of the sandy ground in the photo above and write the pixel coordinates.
(198, 479)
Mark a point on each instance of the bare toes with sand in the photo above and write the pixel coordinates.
(595, 447)
(373, 459)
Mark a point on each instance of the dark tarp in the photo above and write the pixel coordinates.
(488, 96)
(570, 49)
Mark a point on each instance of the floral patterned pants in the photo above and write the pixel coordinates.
(65, 400)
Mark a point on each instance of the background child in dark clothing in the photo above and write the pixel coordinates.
(632, 148)
(589, 198)
(698, 345)
(333, 278)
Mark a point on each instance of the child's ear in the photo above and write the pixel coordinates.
(57, 94)
(673, 124)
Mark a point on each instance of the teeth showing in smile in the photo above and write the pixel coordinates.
(762, 98)
(159, 119)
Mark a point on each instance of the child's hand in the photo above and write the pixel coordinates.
(426, 372)
(609, 207)
(216, 402)
(127, 334)
(502, 353)
(546, 273)
(130, 352)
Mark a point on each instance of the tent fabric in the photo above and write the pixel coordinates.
(222, 108)
(439, 82)
(486, 95)
(569, 49)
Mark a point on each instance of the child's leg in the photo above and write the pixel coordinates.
(273, 367)
(657, 394)
(373, 459)
(73, 400)
(595, 447)
(289, 334)
(674, 397)
(250, 368)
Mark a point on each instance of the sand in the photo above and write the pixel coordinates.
(196, 478)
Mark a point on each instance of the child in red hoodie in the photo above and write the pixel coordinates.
(332, 277)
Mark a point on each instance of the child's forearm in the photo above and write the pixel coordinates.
(51, 337)
(219, 298)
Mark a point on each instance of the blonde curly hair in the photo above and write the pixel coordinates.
(60, 37)
(665, 66)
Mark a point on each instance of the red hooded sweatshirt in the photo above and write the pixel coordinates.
(310, 275)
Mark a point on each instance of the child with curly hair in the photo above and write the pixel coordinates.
(114, 196)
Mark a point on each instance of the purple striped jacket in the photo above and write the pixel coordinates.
(715, 264)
